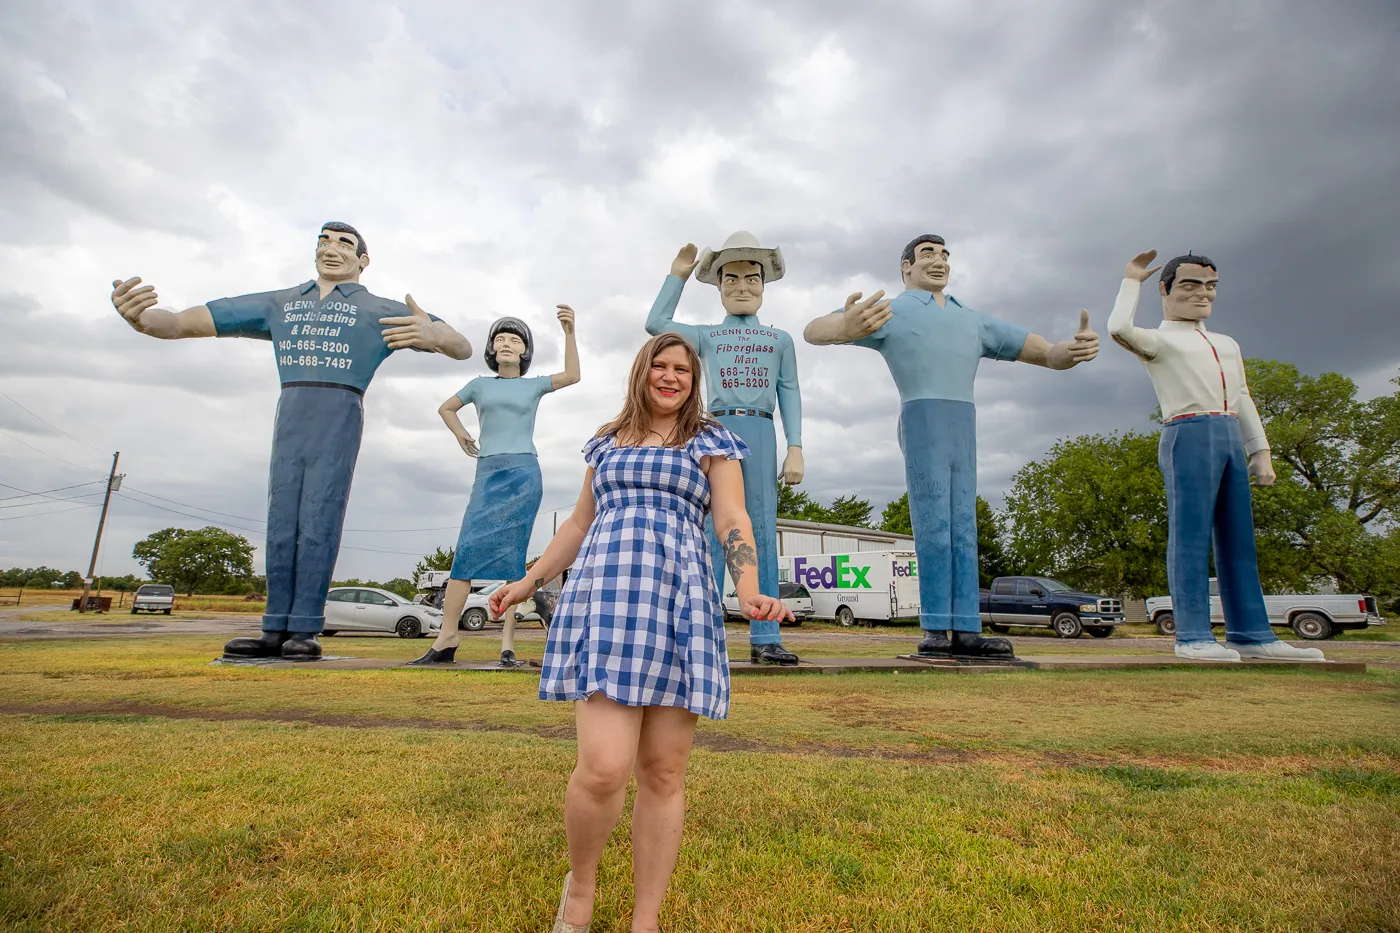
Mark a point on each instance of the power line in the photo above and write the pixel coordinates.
(243, 518)
(49, 455)
(27, 505)
(54, 426)
(45, 493)
(152, 505)
(15, 518)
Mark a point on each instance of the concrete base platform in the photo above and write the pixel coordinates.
(904, 663)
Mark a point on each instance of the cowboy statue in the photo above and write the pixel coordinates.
(329, 335)
(932, 345)
(1212, 447)
(751, 373)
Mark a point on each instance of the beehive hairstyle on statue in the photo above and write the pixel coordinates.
(908, 254)
(1190, 259)
(510, 325)
(339, 227)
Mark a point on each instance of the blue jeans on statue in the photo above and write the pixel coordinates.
(761, 501)
(939, 441)
(1207, 476)
(314, 446)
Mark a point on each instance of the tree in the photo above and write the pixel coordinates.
(992, 559)
(895, 517)
(401, 587)
(1334, 511)
(440, 559)
(1093, 513)
(208, 559)
(849, 510)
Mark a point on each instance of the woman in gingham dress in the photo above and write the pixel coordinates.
(637, 640)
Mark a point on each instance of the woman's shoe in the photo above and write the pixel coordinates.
(434, 656)
(560, 926)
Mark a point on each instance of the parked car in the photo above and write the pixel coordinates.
(794, 595)
(153, 597)
(477, 611)
(1311, 617)
(1046, 603)
(362, 609)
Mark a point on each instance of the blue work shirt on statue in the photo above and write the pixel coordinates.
(506, 409)
(334, 339)
(933, 351)
(747, 364)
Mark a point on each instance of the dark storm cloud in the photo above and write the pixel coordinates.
(503, 158)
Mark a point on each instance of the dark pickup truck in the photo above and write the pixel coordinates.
(1046, 603)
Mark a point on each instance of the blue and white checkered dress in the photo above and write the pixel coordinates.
(640, 618)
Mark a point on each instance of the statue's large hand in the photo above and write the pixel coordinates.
(1138, 270)
(1086, 343)
(566, 318)
(1261, 468)
(863, 318)
(416, 330)
(131, 301)
(793, 466)
(685, 261)
(468, 445)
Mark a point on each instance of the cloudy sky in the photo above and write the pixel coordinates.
(502, 158)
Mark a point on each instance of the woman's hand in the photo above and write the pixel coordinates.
(468, 445)
(764, 608)
(511, 594)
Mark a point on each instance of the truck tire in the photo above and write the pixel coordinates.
(998, 628)
(409, 627)
(330, 631)
(1067, 625)
(845, 617)
(1166, 624)
(1100, 631)
(167, 612)
(1311, 626)
(474, 619)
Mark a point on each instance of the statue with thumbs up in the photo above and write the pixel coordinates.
(933, 344)
(329, 335)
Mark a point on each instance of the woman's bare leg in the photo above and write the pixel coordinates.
(607, 750)
(453, 602)
(663, 751)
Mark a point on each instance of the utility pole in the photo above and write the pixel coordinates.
(114, 482)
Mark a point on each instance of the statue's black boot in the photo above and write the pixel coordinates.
(771, 654)
(972, 645)
(434, 656)
(266, 645)
(301, 646)
(508, 659)
(935, 645)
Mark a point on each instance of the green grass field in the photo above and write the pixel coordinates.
(143, 789)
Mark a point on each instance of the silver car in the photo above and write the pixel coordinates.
(477, 611)
(362, 609)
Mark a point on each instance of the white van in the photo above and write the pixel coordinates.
(870, 586)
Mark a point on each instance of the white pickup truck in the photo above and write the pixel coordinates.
(1310, 617)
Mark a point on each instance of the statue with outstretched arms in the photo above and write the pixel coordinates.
(329, 335)
(933, 344)
(750, 373)
(1212, 447)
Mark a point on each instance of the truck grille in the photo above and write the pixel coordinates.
(1111, 605)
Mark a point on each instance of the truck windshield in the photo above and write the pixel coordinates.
(1051, 586)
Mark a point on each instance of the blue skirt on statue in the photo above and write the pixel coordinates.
(500, 516)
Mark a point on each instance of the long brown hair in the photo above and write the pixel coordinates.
(634, 422)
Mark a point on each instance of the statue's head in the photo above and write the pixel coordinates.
(924, 263)
(340, 253)
(741, 287)
(1188, 285)
(740, 268)
(508, 343)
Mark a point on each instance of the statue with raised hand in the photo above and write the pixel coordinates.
(329, 335)
(751, 374)
(933, 344)
(1213, 446)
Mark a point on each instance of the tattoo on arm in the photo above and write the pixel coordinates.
(539, 583)
(738, 553)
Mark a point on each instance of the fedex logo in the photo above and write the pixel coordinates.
(839, 574)
(911, 569)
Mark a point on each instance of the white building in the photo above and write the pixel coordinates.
(799, 537)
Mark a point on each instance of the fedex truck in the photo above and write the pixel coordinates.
(869, 586)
